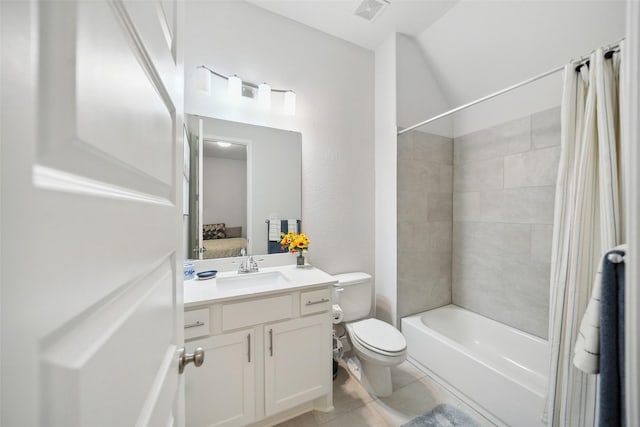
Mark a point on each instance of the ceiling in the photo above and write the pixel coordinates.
(210, 148)
(337, 18)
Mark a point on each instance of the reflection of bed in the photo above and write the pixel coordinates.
(223, 248)
(220, 241)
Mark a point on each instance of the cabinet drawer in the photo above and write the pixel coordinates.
(315, 301)
(196, 323)
(263, 310)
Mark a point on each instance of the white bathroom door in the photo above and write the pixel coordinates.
(92, 95)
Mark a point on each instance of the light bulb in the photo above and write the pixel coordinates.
(264, 95)
(290, 102)
(235, 87)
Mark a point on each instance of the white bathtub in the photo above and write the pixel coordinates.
(491, 365)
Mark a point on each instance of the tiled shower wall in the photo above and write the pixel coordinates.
(503, 195)
(425, 185)
(475, 220)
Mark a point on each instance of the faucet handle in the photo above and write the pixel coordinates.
(252, 263)
(243, 252)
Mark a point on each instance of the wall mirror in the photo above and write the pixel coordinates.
(241, 176)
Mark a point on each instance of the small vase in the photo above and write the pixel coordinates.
(300, 261)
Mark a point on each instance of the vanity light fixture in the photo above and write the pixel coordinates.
(203, 80)
(224, 144)
(290, 102)
(237, 88)
(264, 95)
(234, 85)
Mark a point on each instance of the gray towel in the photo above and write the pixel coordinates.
(611, 399)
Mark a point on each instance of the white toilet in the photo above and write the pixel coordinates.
(377, 345)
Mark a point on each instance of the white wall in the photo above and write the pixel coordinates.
(333, 81)
(480, 47)
(386, 181)
(419, 95)
(224, 192)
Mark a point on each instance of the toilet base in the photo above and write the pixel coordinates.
(376, 379)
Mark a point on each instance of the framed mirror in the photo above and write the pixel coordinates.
(241, 177)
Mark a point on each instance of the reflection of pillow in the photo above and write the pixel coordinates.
(234, 232)
(213, 231)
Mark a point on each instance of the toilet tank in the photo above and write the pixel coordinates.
(353, 292)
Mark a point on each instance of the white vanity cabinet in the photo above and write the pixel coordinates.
(266, 358)
(296, 363)
(222, 392)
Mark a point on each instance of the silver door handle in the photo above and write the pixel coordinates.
(271, 342)
(194, 325)
(184, 358)
(249, 348)
(318, 302)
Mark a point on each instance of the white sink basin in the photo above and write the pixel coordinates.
(252, 280)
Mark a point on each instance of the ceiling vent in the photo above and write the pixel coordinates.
(369, 9)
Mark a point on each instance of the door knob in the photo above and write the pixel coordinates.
(184, 358)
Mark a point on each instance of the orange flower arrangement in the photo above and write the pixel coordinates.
(294, 242)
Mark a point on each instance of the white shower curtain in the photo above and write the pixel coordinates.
(587, 222)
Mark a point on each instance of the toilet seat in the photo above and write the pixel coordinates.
(378, 337)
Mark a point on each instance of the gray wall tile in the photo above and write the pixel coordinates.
(502, 233)
(532, 205)
(492, 206)
(545, 128)
(497, 278)
(475, 146)
(405, 147)
(412, 206)
(432, 148)
(541, 241)
(532, 169)
(480, 175)
(466, 206)
(498, 141)
(515, 135)
(440, 207)
(445, 178)
(425, 210)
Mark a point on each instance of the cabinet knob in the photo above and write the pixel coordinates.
(184, 358)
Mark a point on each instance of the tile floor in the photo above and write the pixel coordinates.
(414, 394)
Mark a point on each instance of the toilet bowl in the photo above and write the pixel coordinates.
(377, 345)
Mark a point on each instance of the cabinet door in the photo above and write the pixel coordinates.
(297, 362)
(222, 391)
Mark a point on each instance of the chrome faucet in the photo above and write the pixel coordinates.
(249, 265)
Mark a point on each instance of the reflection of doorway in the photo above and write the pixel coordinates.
(224, 187)
(218, 190)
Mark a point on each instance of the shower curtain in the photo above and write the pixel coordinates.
(587, 223)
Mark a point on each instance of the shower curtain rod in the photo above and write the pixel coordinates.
(610, 49)
(484, 98)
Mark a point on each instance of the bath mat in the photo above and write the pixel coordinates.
(443, 416)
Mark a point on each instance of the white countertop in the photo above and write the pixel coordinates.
(199, 292)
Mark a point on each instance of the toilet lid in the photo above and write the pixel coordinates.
(376, 334)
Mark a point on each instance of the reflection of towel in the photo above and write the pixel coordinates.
(611, 399)
(292, 225)
(587, 348)
(274, 230)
